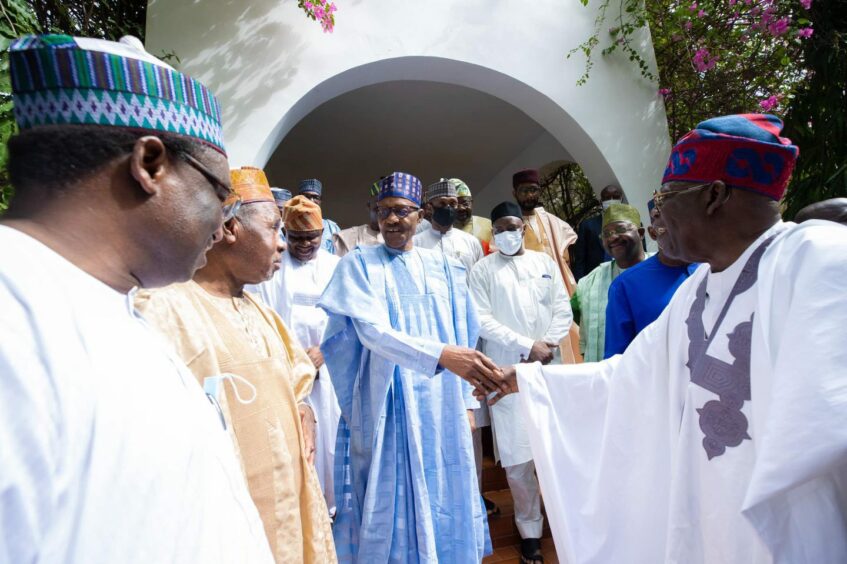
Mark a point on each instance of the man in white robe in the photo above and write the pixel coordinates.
(523, 315)
(293, 292)
(441, 202)
(109, 450)
(720, 435)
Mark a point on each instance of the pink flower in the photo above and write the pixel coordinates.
(805, 32)
(779, 27)
(688, 25)
(806, 4)
(664, 92)
(732, 2)
(692, 7)
(701, 13)
(319, 12)
(703, 60)
(769, 103)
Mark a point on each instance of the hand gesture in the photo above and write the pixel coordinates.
(473, 366)
(315, 356)
(542, 352)
(508, 386)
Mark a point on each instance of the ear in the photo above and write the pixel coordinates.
(148, 163)
(719, 194)
(652, 232)
(523, 230)
(428, 207)
(231, 229)
(641, 232)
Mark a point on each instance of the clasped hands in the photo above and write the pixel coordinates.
(480, 371)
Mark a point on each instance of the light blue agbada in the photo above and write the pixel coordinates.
(405, 475)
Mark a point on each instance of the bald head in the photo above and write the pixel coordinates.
(834, 209)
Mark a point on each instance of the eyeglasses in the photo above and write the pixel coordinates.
(617, 230)
(222, 189)
(399, 211)
(659, 197)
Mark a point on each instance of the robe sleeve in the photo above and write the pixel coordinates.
(30, 440)
(602, 436)
(620, 323)
(489, 328)
(797, 496)
(350, 294)
(562, 318)
(302, 372)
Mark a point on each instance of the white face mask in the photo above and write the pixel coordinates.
(607, 203)
(508, 242)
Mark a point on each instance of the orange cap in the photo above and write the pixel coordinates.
(251, 184)
(302, 214)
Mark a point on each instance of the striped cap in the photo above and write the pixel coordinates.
(311, 185)
(302, 214)
(400, 185)
(64, 80)
(441, 189)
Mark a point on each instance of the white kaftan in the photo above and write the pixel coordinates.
(109, 449)
(520, 299)
(457, 244)
(293, 292)
(705, 444)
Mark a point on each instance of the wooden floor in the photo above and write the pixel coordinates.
(504, 533)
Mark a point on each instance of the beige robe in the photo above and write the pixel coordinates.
(554, 236)
(348, 239)
(215, 335)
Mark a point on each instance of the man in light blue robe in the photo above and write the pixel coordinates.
(401, 328)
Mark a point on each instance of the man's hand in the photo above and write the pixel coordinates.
(473, 366)
(315, 356)
(542, 352)
(307, 421)
(510, 380)
(472, 421)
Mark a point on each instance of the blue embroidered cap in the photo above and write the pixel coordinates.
(310, 186)
(400, 185)
(64, 80)
(281, 195)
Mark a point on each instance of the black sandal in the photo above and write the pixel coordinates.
(531, 551)
(491, 508)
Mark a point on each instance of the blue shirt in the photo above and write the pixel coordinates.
(636, 299)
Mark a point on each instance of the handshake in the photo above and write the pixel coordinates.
(486, 377)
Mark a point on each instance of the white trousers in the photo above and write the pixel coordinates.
(527, 497)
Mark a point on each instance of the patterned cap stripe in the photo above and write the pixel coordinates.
(54, 81)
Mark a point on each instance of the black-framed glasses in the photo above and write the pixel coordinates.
(232, 201)
(529, 190)
(660, 197)
(399, 211)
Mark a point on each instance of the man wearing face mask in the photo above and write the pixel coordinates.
(588, 252)
(621, 236)
(221, 331)
(368, 234)
(293, 293)
(547, 234)
(639, 295)
(524, 313)
(442, 201)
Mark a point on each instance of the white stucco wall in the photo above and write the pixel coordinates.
(270, 67)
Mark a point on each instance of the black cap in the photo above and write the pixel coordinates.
(506, 209)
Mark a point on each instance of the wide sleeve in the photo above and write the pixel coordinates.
(602, 435)
(620, 322)
(562, 318)
(30, 440)
(797, 496)
(302, 372)
(177, 319)
(489, 328)
(350, 295)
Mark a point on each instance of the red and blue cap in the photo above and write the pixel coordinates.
(744, 151)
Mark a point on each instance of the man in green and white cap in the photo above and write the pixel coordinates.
(111, 451)
(622, 238)
(479, 227)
